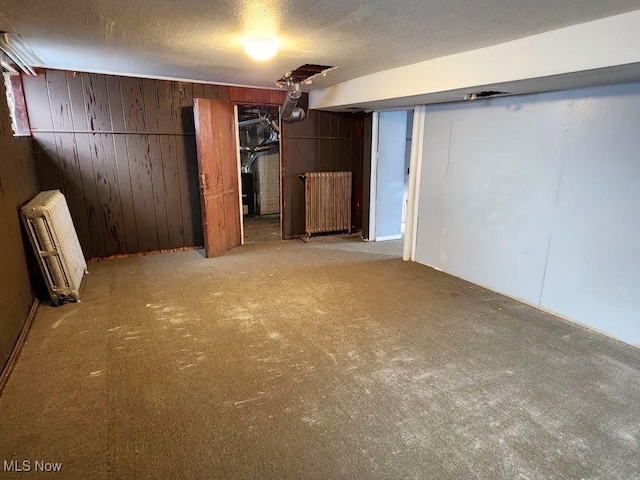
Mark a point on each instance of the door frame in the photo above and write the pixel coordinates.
(373, 188)
(236, 129)
(280, 169)
(415, 175)
(236, 102)
(374, 183)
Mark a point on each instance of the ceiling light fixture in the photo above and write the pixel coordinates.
(261, 48)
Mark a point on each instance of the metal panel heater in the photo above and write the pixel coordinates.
(327, 202)
(55, 242)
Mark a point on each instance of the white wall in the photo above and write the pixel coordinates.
(538, 197)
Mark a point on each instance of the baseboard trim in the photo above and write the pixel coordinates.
(17, 348)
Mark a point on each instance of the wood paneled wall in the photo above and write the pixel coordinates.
(123, 152)
(323, 142)
(18, 184)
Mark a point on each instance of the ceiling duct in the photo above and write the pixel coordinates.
(290, 111)
(292, 80)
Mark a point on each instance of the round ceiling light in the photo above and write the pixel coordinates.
(261, 49)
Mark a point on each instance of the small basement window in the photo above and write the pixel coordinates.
(16, 103)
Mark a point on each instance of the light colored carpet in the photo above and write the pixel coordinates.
(287, 360)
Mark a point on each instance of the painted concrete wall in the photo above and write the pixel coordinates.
(267, 174)
(392, 133)
(537, 197)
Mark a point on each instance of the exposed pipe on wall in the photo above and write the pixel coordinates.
(290, 111)
(255, 153)
(252, 121)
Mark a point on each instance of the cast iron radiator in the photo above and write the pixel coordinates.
(55, 243)
(327, 202)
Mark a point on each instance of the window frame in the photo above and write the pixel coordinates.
(17, 105)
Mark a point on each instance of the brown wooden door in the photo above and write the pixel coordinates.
(218, 167)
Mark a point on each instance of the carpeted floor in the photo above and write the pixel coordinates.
(286, 360)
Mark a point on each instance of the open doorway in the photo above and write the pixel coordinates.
(259, 144)
(390, 174)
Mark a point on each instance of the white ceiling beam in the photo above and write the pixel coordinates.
(605, 43)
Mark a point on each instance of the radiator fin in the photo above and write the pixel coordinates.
(327, 202)
(55, 242)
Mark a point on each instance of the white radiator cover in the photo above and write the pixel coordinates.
(56, 245)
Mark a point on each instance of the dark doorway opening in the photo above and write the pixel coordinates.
(259, 143)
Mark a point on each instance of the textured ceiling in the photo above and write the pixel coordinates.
(202, 40)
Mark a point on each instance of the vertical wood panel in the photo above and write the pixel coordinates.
(193, 215)
(357, 162)
(334, 164)
(59, 100)
(74, 188)
(76, 97)
(121, 160)
(298, 161)
(236, 95)
(198, 90)
(105, 169)
(140, 171)
(69, 161)
(133, 103)
(38, 107)
(223, 93)
(276, 97)
(97, 102)
(85, 162)
(186, 108)
(343, 154)
(324, 124)
(106, 178)
(171, 170)
(324, 155)
(132, 91)
(45, 148)
(46, 158)
(192, 218)
(210, 92)
(155, 163)
(262, 96)
(249, 95)
(187, 165)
